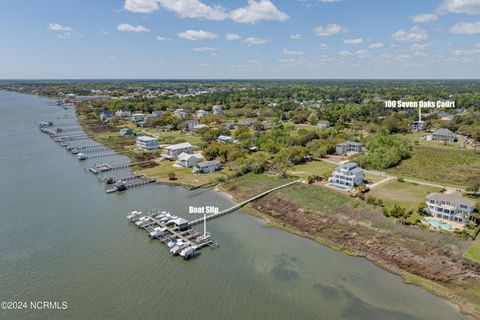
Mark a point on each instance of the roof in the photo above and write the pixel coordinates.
(443, 132)
(183, 145)
(146, 138)
(349, 143)
(349, 165)
(224, 137)
(208, 163)
(186, 156)
(456, 198)
(180, 221)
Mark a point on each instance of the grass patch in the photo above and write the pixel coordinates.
(407, 195)
(473, 251)
(252, 184)
(318, 168)
(447, 166)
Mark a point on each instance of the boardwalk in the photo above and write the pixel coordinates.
(238, 206)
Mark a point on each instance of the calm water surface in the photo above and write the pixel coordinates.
(62, 238)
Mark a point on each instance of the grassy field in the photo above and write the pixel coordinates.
(473, 251)
(449, 166)
(407, 195)
(184, 176)
(252, 184)
(318, 168)
(416, 136)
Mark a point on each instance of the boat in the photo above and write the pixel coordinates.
(157, 232)
(203, 238)
(82, 156)
(120, 185)
(74, 151)
(178, 248)
(188, 252)
(172, 243)
(141, 220)
(133, 214)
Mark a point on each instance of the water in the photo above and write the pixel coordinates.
(439, 224)
(63, 239)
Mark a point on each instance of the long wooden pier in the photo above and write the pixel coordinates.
(241, 204)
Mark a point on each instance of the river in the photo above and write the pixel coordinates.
(62, 238)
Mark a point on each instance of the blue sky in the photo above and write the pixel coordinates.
(178, 39)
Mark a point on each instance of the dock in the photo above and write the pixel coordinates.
(105, 167)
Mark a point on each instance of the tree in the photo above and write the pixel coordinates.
(172, 176)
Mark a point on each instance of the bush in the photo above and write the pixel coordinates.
(172, 176)
(400, 179)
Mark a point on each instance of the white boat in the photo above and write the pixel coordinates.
(179, 247)
(82, 156)
(141, 221)
(157, 232)
(203, 238)
(172, 243)
(133, 214)
(188, 252)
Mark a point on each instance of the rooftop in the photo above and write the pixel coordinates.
(179, 146)
(456, 198)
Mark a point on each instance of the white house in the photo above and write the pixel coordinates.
(188, 160)
(452, 207)
(349, 147)
(201, 113)
(225, 139)
(217, 110)
(157, 113)
(137, 117)
(123, 113)
(348, 174)
(444, 134)
(147, 143)
(324, 124)
(207, 166)
(172, 152)
(180, 113)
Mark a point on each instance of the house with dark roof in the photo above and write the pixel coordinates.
(444, 134)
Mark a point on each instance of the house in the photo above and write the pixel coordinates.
(349, 147)
(452, 206)
(172, 152)
(123, 113)
(126, 132)
(157, 113)
(147, 143)
(229, 125)
(245, 123)
(188, 160)
(137, 117)
(180, 113)
(444, 116)
(189, 124)
(106, 115)
(217, 110)
(323, 124)
(207, 166)
(444, 134)
(201, 113)
(348, 174)
(225, 139)
(417, 125)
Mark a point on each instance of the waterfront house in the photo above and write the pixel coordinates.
(323, 124)
(349, 147)
(126, 132)
(147, 143)
(225, 139)
(201, 113)
(217, 110)
(348, 174)
(123, 113)
(188, 160)
(451, 206)
(207, 166)
(137, 117)
(172, 152)
(106, 115)
(444, 134)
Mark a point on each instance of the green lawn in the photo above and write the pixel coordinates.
(473, 251)
(441, 165)
(407, 195)
(252, 184)
(318, 168)
(184, 176)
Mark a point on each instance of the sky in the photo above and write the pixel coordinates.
(239, 39)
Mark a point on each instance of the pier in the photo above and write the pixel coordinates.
(105, 167)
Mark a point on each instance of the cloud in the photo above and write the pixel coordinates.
(418, 46)
(296, 36)
(376, 45)
(254, 11)
(353, 41)
(291, 52)
(424, 18)
(415, 34)
(205, 49)
(130, 28)
(467, 28)
(471, 7)
(160, 38)
(329, 1)
(195, 35)
(363, 54)
(232, 37)
(255, 41)
(141, 6)
(258, 10)
(344, 53)
(323, 46)
(329, 30)
(62, 32)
